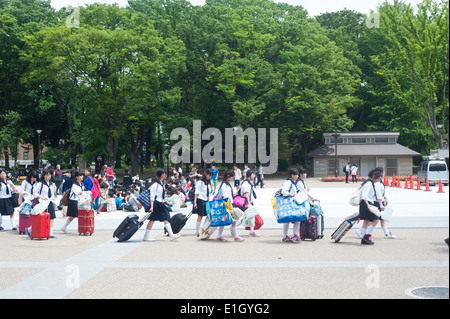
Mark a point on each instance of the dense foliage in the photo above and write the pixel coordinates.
(119, 81)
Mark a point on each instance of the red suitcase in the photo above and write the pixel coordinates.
(40, 226)
(86, 222)
(24, 222)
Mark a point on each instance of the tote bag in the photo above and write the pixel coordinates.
(218, 214)
(289, 211)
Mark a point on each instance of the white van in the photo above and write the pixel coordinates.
(434, 170)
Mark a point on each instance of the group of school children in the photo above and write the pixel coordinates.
(167, 197)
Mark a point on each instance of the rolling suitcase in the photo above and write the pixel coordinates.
(40, 226)
(342, 230)
(313, 228)
(86, 222)
(24, 222)
(129, 227)
(177, 222)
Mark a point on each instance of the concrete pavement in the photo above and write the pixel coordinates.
(73, 266)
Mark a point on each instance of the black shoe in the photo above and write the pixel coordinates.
(367, 240)
(446, 241)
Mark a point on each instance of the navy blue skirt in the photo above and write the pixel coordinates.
(6, 206)
(160, 212)
(72, 208)
(201, 208)
(365, 213)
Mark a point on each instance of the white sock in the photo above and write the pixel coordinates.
(13, 223)
(220, 230)
(239, 222)
(68, 221)
(147, 233)
(385, 229)
(197, 227)
(369, 229)
(169, 229)
(51, 231)
(296, 228)
(363, 231)
(234, 232)
(252, 229)
(285, 229)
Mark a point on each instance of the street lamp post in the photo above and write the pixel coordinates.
(336, 173)
(39, 147)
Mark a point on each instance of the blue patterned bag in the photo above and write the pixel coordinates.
(218, 213)
(289, 211)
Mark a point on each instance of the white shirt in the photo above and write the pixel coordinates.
(157, 190)
(289, 187)
(42, 190)
(27, 189)
(237, 174)
(3, 192)
(227, 191)
(380, 189)
(75, 191)
(354, 169)
(368, 192)
(301, 187)
(246, 187)
(201, 189)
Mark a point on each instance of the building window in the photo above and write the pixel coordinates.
(391, 166)
(381, 140)
(25, 156)
(359, 140)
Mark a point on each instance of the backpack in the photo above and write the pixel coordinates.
(355, 198)
(65, 197)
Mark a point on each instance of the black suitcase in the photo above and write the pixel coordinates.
(312, 228)
(178, 221)
(129, 227)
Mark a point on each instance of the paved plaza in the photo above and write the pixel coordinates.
(73, 266)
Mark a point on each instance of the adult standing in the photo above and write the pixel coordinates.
(347, 171)
(354, 170)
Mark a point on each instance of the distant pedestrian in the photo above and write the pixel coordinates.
(347, 170)
(354, 170)
(74, 197)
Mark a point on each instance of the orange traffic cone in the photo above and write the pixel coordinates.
(393, 180)
(398, 183)
(440, 190)
(411, 185)
(386, 181)
(406, 183)
(427, 186)
(418, 184)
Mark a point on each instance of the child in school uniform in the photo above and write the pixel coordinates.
(159, 211)
(74, 197)
(6, 205)
(289, 189)
(202, 192)
(46, 189)
(226, 191)
(247, 191)
(369, 201)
